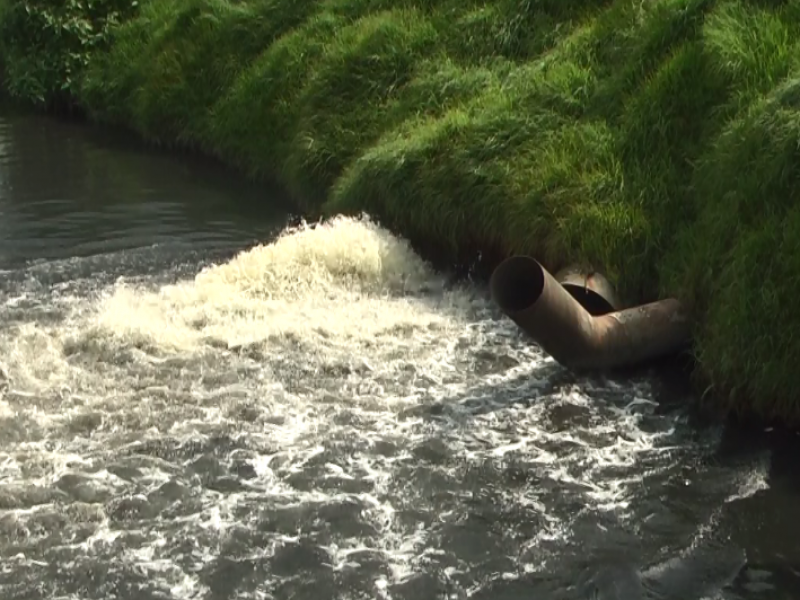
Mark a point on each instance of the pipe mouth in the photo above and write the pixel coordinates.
(591, 289)
(590, 300)
(517, 283)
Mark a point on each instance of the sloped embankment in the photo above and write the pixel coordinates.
(658, 141)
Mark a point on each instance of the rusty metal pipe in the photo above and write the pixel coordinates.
(541, 307)
(592, 291)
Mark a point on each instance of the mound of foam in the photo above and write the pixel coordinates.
(343, 255)
(344, 280)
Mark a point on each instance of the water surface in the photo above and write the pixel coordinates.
(197, 402)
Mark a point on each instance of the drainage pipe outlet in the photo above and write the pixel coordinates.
(541, 307)
(592, 291)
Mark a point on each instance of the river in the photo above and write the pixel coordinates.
(198, 401)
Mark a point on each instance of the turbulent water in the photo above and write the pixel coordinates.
(322, 416)
(325, 416)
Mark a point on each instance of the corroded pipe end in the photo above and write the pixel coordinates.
(543, 309)
(517, 284)
(591, 289)
(554, 318)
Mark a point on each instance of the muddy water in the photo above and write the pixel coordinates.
(198, 402)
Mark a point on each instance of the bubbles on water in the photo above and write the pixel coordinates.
(321, 412)
(327, 288)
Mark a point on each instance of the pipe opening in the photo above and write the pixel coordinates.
(517, 283)
(593, 302)
(591, 289)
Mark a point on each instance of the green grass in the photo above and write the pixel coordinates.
(658, 142)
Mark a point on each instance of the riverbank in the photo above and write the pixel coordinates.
(657, 142)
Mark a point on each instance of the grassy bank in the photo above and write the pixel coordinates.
(657, 141)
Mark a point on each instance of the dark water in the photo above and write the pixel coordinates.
(191, 407)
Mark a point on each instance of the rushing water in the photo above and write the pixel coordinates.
(197, 402)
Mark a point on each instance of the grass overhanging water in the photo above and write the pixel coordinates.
(658, 142)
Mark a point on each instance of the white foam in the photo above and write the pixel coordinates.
(332, 286)
(751, 481)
